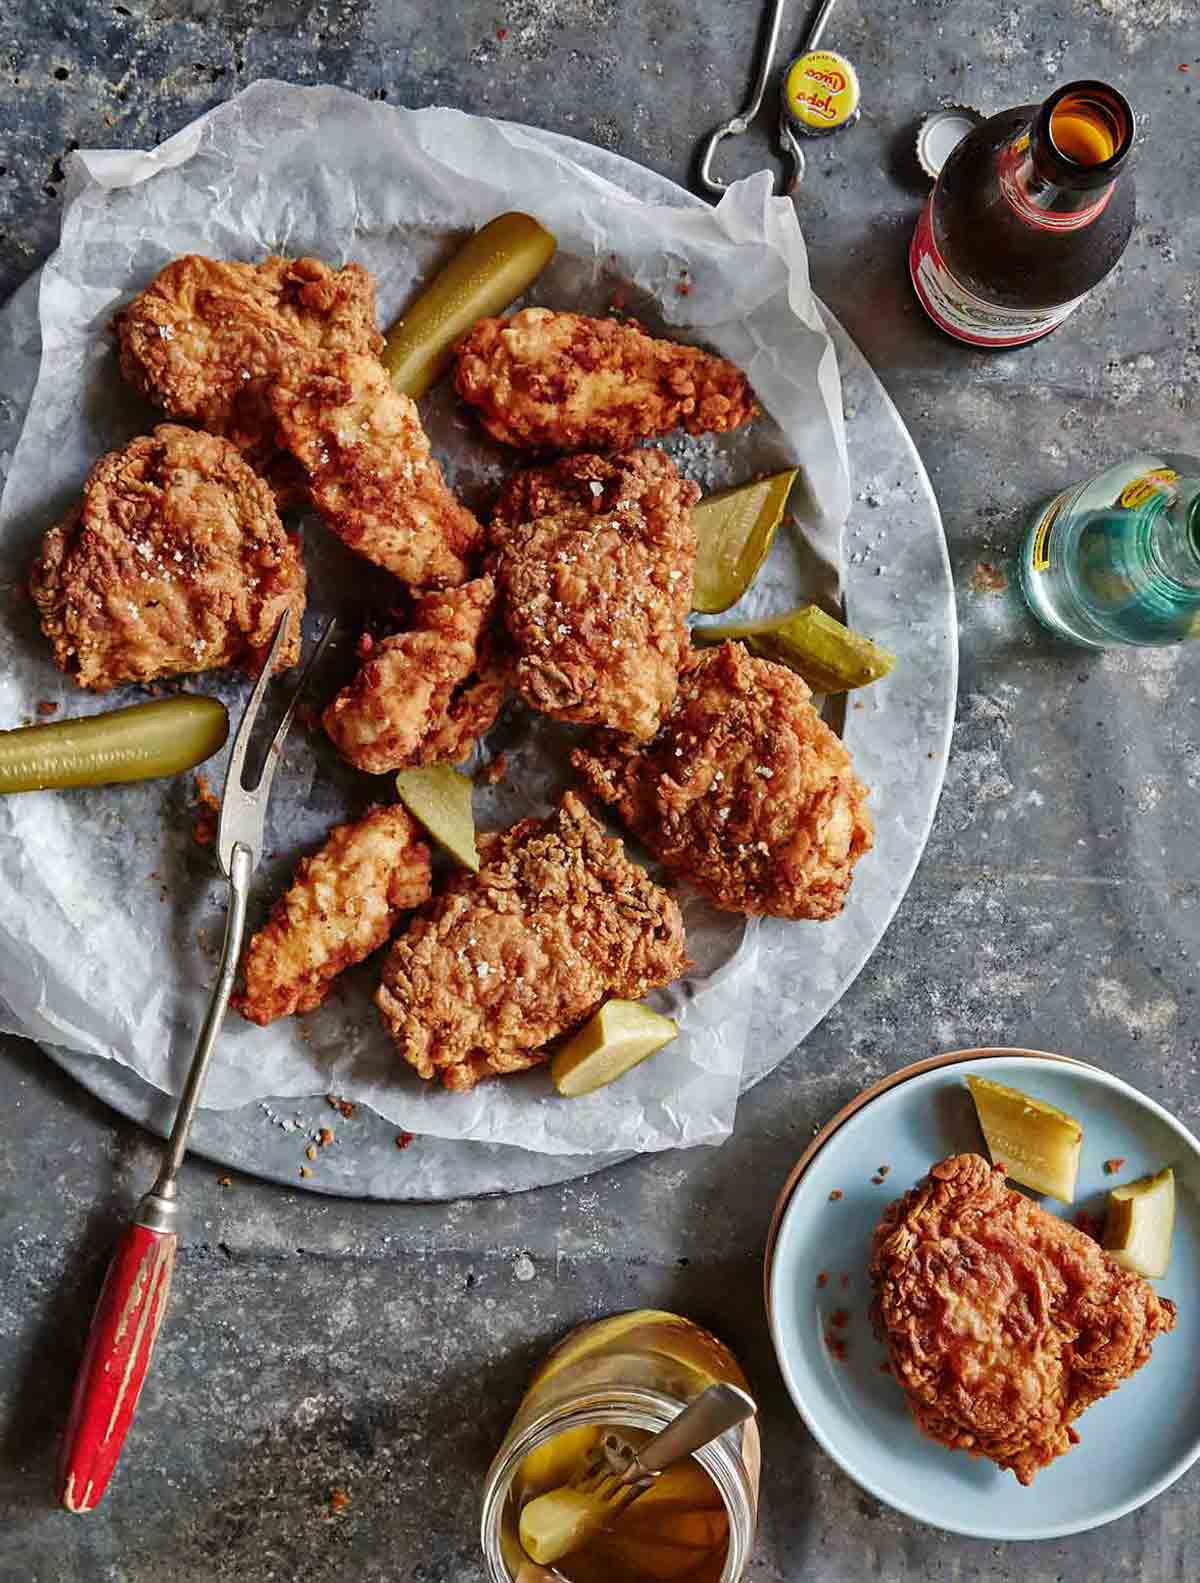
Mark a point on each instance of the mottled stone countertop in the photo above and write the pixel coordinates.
(319, 1344)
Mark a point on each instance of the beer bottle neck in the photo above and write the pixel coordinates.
(1059, 171)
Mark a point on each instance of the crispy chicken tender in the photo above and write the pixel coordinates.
(370, 470)
(1003, 1322)
(556, 920)
(206, 339)
(342, 904)
(425, 696)
(596, 588)
(175, 561)
(560, 381)
(745, 790)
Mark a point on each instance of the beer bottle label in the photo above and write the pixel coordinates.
(960, 312)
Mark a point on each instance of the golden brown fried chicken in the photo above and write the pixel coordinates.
(556, 920)
(560, 381)
(745, 790)
(175, 561)
(342, 904)
(425, 696)
(206, 339)
(595, 593)
(1002, 1322)
(370, 470)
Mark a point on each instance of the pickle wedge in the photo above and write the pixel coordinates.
(136, 744)
(620, 1035)
(734, 529)
(1139, 1223)
(440, 798)
(560, 1521)
(489, 271)
(1037, 1144)
(829, 656)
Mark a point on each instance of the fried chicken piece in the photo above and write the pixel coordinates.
(596, 588)
(370, 470)
(425, 696)
(556, 921)
(745, 790)
(175, 561)
(342, 904)
(1003, 1322)
(206, 339)
(560, 381)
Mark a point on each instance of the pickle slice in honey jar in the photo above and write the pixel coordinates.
(557, 1462)
(440, 798)
(1140, 1222)
(1037, 1143)
(734, 530)
(562, 1520)
(828, 655)
(489, 271)
(619, 1036)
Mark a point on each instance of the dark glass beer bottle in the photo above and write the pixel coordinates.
(1030, 212)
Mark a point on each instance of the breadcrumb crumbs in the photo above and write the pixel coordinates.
(340, 1499)
(403, 1139)
(224, 1181)
(839, 1318)
(47, 706)
(1111, 1167)
(306, 1170)
(324, 1137)
(835, 1195)
(822, 1278)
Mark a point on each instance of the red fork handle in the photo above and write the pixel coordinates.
(125, 1325)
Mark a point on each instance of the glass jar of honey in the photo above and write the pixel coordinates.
(635, 1372)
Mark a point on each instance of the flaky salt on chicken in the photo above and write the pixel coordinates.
(1002, 1322)
(370, 470)
(594, 561)
(744, 790)
(174, 561)
(556, 920)
(207, 337)
(543, 380)
(427, 695)
(343, 904)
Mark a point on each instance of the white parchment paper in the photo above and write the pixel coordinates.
(110, 913)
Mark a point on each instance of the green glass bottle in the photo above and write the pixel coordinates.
(1117, 559)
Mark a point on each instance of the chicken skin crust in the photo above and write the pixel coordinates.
(745, 790)
(342, 904)
(542, 380)
(1003, 1322)
(174, 562)
(370, 470)
(595, 589)
(207, 337)
(425, 696)
(556, 920)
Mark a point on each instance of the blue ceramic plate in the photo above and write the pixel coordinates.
(1133, 1444)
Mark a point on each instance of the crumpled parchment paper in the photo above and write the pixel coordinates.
(110, 912)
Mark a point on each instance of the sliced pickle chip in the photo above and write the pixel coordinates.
(734, 529)
(489, 271)
(441, 799)
(135, 744)
(829, 656)
(686, 1485)
(1037, 1144)
(560, 1521)
(556, 1462)
(1139, 1223)
(611, 1043)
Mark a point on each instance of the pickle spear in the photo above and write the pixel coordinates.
(135, 744)
(489, 271)
(620, 1035)
(1139, 1223)
(441, 799)
(830, 657)
(734, 529)
(1037, 1143)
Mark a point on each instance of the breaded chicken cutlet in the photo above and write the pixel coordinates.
(556, 920)
(595, 586)
(207, 338)
(175, 561)
(427, 695)
(370, 470)
(1002, 1322)
(745, 790)
(342, 904)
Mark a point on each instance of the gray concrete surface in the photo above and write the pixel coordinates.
(319, 1344)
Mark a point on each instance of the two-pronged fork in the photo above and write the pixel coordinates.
(133, 1299)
